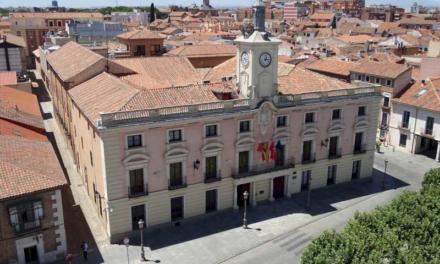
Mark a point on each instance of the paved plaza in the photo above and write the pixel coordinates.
(278, 231)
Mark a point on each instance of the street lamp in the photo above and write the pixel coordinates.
(126, 243)
(384, 175)
(141, 229)
(245, 197)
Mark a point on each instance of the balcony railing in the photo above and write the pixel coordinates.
(335, 154)
(23, 227)
(137, 190)
(263, 168)
(213, 176)
(427, 132)
(307, 159)
(158, 114)
(360, 149)
(177, 184)
(404, 125)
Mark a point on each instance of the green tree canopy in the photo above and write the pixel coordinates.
(405, 231)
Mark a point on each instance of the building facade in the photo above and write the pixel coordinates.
(164, 155)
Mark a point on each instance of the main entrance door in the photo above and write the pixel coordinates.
(31, 254)
(278, 187)
(240, 190)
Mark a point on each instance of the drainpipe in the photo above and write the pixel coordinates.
(414, 133)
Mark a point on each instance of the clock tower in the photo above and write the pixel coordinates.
(257, 59)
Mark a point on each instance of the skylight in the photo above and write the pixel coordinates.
(421, 92)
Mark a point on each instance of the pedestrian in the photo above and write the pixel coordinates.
(69, 258)
(85, 249)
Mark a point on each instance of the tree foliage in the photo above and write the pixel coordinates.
(405, 231)
(152, 13)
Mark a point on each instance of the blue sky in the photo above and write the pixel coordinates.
(85, 3)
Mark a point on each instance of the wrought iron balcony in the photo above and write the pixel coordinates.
(404, 125)
(335, 154)
(360, 149)
(263, 168)
(137, 190)
(177, 183)
(29, 226)
(213, 176)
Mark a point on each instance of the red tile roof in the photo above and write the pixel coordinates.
(139, 34)
(422, 96)
(21, 170)
(385, 69)
(216, 50)
(8, 78)
(333, 66)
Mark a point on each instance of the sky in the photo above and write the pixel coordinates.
(219, 3)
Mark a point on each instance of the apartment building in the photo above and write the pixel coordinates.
(34, 27)
(414, 124)
(31, 209)
(167, 153)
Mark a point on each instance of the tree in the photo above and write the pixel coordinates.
(152, 13)
(405, 231)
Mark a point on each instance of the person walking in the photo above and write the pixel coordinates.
(85, 250)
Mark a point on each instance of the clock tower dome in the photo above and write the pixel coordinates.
(257, 59)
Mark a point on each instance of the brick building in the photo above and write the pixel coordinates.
(350, 7)
(205, 56)
(386, 13)
(142, 43)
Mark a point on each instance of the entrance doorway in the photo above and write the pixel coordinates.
(31, 254)
(240, 190)
(427, 147)
(278, 187)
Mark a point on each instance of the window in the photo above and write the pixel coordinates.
(333, 151)
(306, 179)
(82, 143)
(91, 158)
(137, 213)
(18, 33)
(358, 142)
(243, 162)
(176, 208)
(60, 24)
(386, 102)
(176, 174)
(245, 126)
(356, 169)
(310, 118)
(50, 23)
(175, 135)
(405, 119)
(280, 157)
(360, 77)
(136, 182)
(429, 125)
(307, 155)
(377, 80)
(211, 201)
(362, 110)
(402, 140)
(211, 130)
(336, 114)
(211, 167)
(367, 78)
(134, 141)
(331, 174)
(26, 216)
(388, 82)
(281, 121)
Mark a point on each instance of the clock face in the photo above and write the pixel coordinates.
(245, 59)
(265, 59)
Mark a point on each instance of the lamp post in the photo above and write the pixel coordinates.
(245, 197)
(126, 243)
(384, 175)
(141, 229)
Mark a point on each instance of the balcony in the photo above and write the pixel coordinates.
(137, 191)
(23, 227)
(263, 168)
(427, 132)
(403, 125)
(213, 176)
(307, 159)
(360, 149)
(177, 184)
(335, 154)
